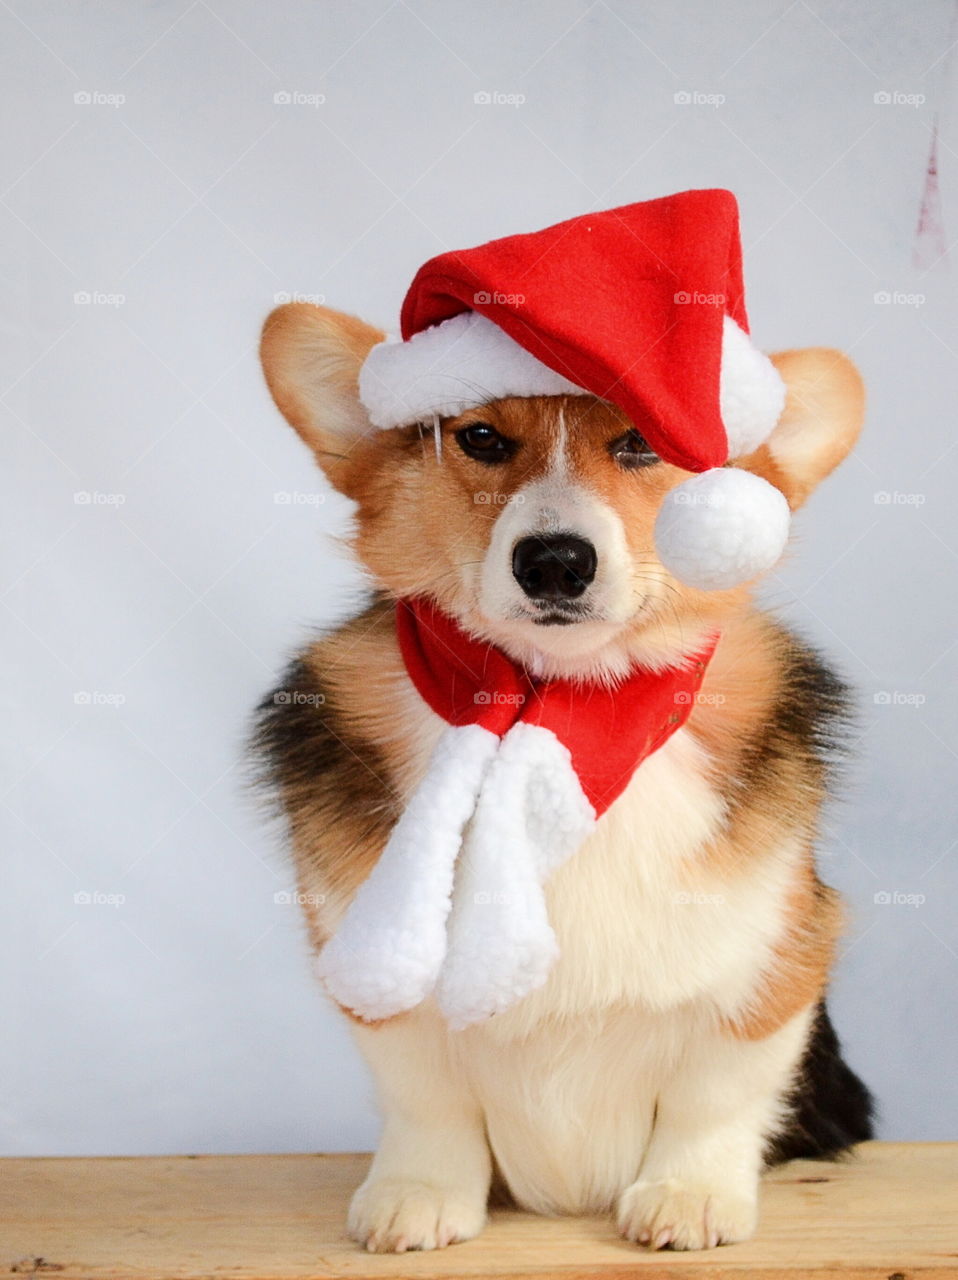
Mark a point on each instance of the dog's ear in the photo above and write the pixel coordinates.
(824, 408)
(311, 357)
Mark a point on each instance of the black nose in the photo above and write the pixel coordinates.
(558, 567)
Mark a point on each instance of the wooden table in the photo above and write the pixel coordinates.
(891, 1212)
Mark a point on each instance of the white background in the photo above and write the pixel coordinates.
(185, 1017)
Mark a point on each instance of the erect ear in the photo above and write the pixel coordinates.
(311, 357)
(824, 408)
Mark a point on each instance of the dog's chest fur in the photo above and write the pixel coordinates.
(656, 945)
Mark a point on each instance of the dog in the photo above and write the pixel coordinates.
(681, 1043)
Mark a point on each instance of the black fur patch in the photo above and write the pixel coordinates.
(810, 720)
(831, 1108)
(319, 771)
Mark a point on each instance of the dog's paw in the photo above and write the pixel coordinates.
(684, 1215)
(391, 1215)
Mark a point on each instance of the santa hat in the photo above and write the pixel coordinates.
(642, 306)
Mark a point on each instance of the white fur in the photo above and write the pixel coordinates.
(751, 392)
(386, 954)
(459, 364)
(531, 816)
(721, 528)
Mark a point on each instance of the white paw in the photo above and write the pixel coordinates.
(391, 1215)
(685, 1215)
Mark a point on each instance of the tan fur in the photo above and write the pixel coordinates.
(695, 937)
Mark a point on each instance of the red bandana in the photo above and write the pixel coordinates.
(608, 732)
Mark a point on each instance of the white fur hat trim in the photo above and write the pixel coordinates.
(468, 361)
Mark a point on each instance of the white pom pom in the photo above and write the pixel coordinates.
(721, 528)
(751, 392)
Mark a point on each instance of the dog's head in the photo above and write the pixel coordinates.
(531, 520)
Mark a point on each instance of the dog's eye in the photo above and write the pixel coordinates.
(484, 443)
(631, 451)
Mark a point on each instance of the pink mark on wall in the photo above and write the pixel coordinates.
(931, 245)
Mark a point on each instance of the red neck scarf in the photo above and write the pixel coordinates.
(609, 732)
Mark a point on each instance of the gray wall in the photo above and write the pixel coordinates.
(179, 1013)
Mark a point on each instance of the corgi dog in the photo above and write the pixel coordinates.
(681, 1043)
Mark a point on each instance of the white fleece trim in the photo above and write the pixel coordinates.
(532, 815)
(721, 528)
(388, 950)
(442, 371)
(751, 392)
(468, 361)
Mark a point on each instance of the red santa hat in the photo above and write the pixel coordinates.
(642, 306)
